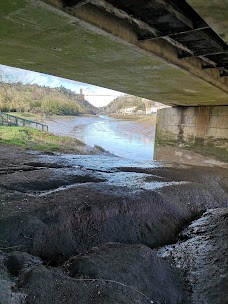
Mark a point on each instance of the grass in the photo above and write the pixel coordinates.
(29, 116)
(38, 117)
(38, 140)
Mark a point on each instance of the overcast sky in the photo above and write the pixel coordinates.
(29, 77)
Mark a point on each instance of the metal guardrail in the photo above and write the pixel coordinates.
(11, 120)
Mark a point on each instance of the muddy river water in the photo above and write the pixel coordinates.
(124, 138)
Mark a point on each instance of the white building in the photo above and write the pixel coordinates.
(128, 111)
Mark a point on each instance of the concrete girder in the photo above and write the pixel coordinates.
(100, 48)
(215, 13)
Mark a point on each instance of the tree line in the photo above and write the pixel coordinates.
(18, 97)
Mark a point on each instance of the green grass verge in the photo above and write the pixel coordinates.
(30, 116)
(38, 140)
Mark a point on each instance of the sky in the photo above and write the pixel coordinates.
(29, 77)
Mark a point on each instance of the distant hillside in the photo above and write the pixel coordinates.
(36, 99)
(126, 101)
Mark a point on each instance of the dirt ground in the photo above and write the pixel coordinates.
(98, 229)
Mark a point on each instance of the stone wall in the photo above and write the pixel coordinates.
(204, 129)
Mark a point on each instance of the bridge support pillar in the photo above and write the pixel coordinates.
(203, 130)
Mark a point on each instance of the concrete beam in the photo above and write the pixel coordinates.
(93, 45)
(215, 13)
(124, 16)
(176, 13)
(75, 3)
(162, 48)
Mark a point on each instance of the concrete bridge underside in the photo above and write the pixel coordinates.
(170, 51)
(158, 50)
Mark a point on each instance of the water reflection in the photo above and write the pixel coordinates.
(180, 155)
(112, 134)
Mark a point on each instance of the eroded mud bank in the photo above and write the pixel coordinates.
(201, 255)
(55, 210)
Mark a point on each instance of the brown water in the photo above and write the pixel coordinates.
(124, 138)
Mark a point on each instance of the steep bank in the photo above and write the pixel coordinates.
(57, 208)
(201, 254)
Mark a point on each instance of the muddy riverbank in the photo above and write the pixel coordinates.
(101, 229)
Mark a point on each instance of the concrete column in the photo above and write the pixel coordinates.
(200, 129)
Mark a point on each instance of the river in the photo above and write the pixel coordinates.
(124, 138)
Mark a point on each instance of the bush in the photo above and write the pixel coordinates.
(35, 99)
(60, 107)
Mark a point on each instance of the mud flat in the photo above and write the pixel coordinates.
(101, 229)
